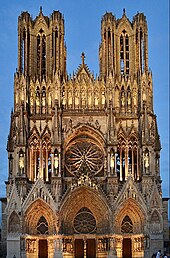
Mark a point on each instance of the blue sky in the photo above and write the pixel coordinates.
(82, 33)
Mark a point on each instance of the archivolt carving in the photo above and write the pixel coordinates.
(33, 215)
(84, 148)
(85, 197)
(86, 130)
(136, 214)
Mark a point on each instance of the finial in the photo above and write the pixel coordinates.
(124, 11)
(41, 9)
(82, 57)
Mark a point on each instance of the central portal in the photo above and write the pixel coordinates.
(81, 247)
(90, 248)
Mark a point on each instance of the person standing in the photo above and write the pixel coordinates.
(158, 255)
(165, 256)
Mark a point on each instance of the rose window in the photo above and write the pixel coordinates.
(84, 154)
(84, 222)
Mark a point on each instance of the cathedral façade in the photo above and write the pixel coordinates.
(84, 173)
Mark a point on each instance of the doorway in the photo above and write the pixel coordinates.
(90, 248)
(79, 248)
(127, 248)
(43, 248)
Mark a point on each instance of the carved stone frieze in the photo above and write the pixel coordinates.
(31, 245)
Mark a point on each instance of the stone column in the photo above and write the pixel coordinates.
(58, 248)
(46, 164)
(121, 178)
(35, 165)
(85, 244)
(112, 252)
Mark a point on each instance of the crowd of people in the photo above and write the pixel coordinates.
(159, 255)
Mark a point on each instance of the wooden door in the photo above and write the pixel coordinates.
(43, 249)
(79, 248)
(91, 248)
(127, 248)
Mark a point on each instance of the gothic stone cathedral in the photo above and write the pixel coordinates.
(84, 178)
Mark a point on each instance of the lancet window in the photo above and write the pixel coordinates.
(127, 159)
(124, 53)
(41, 54)
(41, 101)
(109, 47)
(23, 48)
(40, 158)
(43, 95)
(125, 99)
(47, 159)
(142, 49)
(54, 46)
(37, 101)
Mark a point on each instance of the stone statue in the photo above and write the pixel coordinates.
(43, 101)
(146, 160)
(56, 161)
(123, 99)
(144, 96)
(21, 161)
(129, 99)
(135, 98)
(112, 161)
(49, 99)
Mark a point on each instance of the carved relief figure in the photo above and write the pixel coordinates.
(135, 98)
(56, 161)
(146, 160)
(128, 99)
(31, 245)
(112, 161)
(21, 161)
(123, 99)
